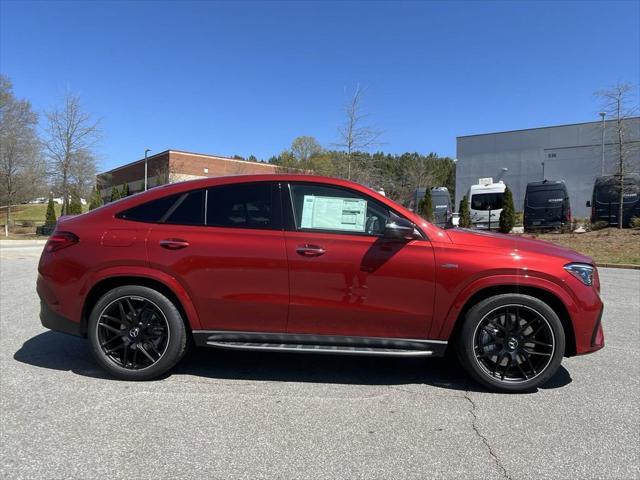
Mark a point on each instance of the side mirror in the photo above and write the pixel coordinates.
(398, 228)
(588, 203)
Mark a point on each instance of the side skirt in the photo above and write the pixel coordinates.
(326, 344)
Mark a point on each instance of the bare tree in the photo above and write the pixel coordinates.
(617, 103)
(354, 135)
(72, 135)
(419, 171)
(20, 160)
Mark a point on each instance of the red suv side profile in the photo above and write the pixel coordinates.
(311, 264)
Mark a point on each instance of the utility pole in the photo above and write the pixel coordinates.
(146, 150)
(602, 114)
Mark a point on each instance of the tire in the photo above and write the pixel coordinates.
(136, 333)
(511, 342)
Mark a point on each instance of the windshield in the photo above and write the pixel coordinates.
(487, 201)
(545, 198)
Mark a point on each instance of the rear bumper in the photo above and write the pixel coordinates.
(54, 321)
(530, 226)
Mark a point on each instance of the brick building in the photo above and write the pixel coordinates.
(174, 166)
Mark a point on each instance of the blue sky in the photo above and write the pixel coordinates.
(246, 78)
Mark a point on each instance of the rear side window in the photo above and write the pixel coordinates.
(180, 209)
(188, 210)
(247, 205)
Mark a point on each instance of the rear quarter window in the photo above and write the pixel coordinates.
(180, 209)
(150, 212)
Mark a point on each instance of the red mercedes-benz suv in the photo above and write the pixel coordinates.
(310, 264)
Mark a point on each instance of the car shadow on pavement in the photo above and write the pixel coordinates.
(58, 351)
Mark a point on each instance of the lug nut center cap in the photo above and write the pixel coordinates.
(134, 332)
(512, 343)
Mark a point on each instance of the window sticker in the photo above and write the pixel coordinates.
(334, 213)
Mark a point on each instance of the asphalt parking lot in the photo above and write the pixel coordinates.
(249, 415)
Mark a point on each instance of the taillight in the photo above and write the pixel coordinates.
(568, 215)
(60, 240)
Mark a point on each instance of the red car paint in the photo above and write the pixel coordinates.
(257, 280)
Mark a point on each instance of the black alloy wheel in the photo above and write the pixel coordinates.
(514, 343)
(136, 333)
(511, 342)
(133, 332)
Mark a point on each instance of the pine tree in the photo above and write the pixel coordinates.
(465, 213)
(96, 199)
(426, 206)
(75, 206)
(50, 218)
(508, 214)
(125, 191)
(115, 194)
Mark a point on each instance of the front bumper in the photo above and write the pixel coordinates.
(597, 338)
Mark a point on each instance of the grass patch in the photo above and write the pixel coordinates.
(31, 212)
(608, 245)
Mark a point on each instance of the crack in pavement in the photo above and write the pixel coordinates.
(484, 439)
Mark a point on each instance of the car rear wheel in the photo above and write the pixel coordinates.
(511, 342)
(136, 333)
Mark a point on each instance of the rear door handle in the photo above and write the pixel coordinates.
(310, 250)
(173, 243)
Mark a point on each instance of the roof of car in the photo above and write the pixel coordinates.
(433, 232)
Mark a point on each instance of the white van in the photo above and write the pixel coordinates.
(485, 203)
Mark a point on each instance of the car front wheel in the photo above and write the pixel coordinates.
(511, 342)
(136, 333)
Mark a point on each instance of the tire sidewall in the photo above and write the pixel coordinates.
(477, 313)
(177, 333)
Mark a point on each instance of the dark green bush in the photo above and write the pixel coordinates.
(508, 214)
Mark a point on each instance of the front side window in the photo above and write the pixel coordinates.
(332, 209)
(247, 205)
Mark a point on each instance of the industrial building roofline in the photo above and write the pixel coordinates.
(541, 128)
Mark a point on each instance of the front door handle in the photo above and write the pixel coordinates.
(310, 250)
(173, 243)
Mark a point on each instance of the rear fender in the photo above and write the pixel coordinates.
(149, 273)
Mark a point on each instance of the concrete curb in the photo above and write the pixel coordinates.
(21, 243)
(618, 265)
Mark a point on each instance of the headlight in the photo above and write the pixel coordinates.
(581, 271)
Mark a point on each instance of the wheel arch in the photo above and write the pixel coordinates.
(109, 283)
(551, 299)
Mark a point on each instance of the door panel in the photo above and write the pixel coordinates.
(237, 278)
(225, 245)
(359, 285)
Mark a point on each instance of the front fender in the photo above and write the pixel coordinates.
(530, 280)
